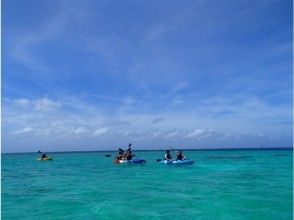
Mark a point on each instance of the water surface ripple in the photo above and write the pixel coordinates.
(221, 185)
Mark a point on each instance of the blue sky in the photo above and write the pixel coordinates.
(94, 75)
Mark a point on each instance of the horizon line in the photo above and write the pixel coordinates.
(185, 149)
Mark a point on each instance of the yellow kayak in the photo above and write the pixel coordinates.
(46, 158)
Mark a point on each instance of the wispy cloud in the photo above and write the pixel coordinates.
(65, 121)
(24, 130)
(80, 130)
(200, 133)
(100, 131)
(24, 51)
(43, 104)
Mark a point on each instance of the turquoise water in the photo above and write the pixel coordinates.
(221, 185)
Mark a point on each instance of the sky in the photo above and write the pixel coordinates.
(97, 75)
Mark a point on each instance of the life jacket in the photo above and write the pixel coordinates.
(180, 157)
(167, 157)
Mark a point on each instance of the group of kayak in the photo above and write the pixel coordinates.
(128, 157)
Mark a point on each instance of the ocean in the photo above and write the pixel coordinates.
(222, 184)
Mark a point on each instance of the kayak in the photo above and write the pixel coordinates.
(133, 161)
(177, 162)
(46, 158)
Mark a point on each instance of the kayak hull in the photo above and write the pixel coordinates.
(133, 161)
(47, 158)
(178, 162)
(137, 161)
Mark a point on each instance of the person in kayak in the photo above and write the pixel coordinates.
(120, 154)
(180, 155)
(44, 155)
(167, 156)
(129, 154)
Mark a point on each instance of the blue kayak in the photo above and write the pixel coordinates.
(178, 162)
(133, 161)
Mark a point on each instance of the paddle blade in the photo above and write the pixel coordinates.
(158, 160)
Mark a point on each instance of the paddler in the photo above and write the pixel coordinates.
(44, 156)
(129, 154)
(180, 155)
(167, 155)
(120, 154)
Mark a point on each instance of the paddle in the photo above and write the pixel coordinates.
(129, 149)
(173, 149)
(107, 155)
(42, 153)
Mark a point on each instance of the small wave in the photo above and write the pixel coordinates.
(229, 157)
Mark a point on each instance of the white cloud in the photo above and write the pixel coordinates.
(172, 134)
(80, 130)
(22, 102)
(100, 131)
(187, 126)
(45, 104)
(200, 133)
(24, 130)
